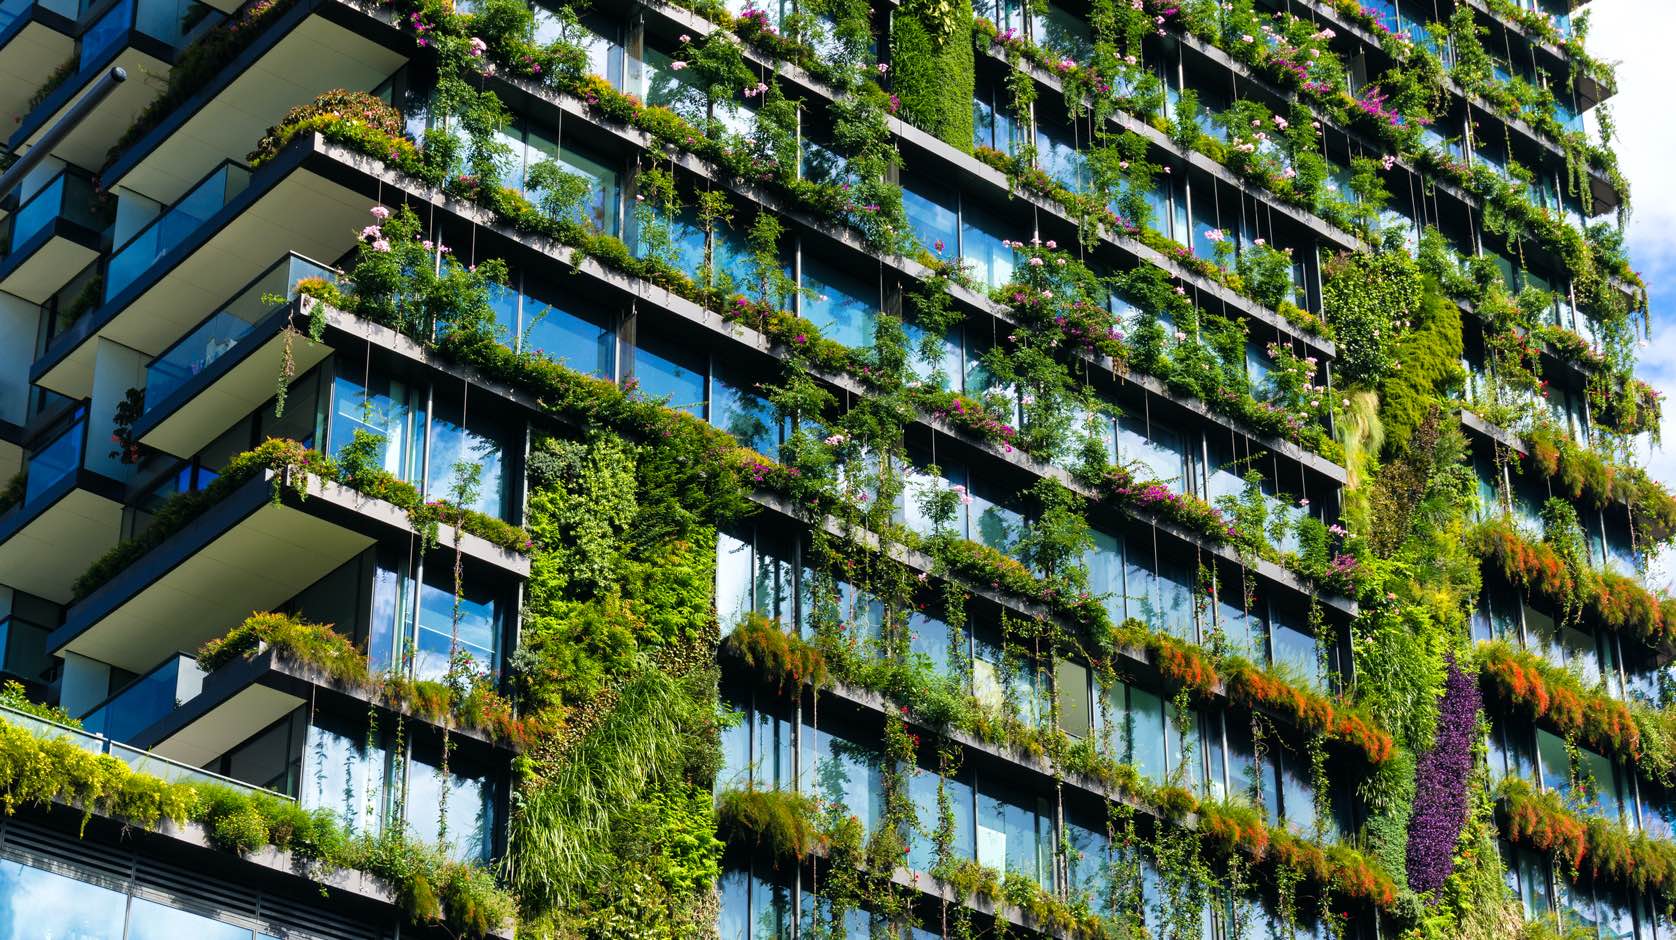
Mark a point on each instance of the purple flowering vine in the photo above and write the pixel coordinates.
(1440, 784)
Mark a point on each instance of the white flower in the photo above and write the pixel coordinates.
(1259, 242)
(686, 38)
(1215, 235)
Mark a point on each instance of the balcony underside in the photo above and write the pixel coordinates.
(90, 142)
(287, 207)
(228, 389)
(45, 546)
(310, 52)
(249, 552)
(28, 57)
(38, 269)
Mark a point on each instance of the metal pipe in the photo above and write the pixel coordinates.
(70, 121)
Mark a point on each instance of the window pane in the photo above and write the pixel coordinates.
(152, 921)
(43, 904)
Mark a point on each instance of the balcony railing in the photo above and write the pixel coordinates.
(228, 326)
(13, 10)
(141, 761)
(171, 22)
(69, 196)
(59, 458)
(147, 699)
(174, 225)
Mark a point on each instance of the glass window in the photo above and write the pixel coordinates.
(1104, 563)
(664, 371)
(1553, 762)
(473, 633)
(981, 234)
(457, 453)
(1293, 649)
(933, 214)
(342, 774)
(842, 306)
(392, 409)
(43, 904)
(844, 774)
(739, 411)
(1015, 831)
(453, 809)
(152, 921)
(582, 343)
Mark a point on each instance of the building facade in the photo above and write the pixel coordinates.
(1089, 468)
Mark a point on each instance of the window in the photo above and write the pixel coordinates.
(981, 234)
(842, 306)
(585, 343)
(473, 633)
(742, 413)
(843, 773)
(933, 214)
(670, 373)
(1015, 830)
(453, 809)
(464, 457)
(389, 408)
(753, 907)
(43, 904)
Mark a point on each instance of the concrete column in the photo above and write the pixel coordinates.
(20, 321)
(84, 684)
(116, 369)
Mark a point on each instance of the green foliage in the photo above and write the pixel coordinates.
(778, 824)
(933, 62)
(1370, 300)
(44, 772)
(1426, 367)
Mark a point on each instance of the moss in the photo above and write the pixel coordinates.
(932, 76)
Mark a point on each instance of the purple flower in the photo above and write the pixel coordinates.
(1440, 784)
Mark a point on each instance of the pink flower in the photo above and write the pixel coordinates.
(478, 47)
(380, 213)
(380, 245)
(372, 231)
(677, 65)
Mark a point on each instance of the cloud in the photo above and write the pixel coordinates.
(1635, 34)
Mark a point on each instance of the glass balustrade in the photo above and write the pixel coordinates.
(224, 329)
(141, 761)
(174, 225)
(69, 196)
(60, 458)
(171, 22)
(147, 699)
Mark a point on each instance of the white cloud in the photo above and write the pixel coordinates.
(1635, 34)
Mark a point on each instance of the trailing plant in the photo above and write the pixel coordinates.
(54, 772)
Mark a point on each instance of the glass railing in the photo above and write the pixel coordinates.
(13, 10)
(60, 458)
(141, 761)
(173, 226)
(141, 703)
(23, 644)
(69, 196)
(227, 327)
(172, 22)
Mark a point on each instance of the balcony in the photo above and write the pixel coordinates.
(247, 552)
(54, 234)
(212, 243)
(142, 36)
(226, 366)
(312, 48)
(141, 761)
(36, 36)
(145, 700)
(68, 517)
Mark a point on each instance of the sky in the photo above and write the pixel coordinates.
(1636, 34)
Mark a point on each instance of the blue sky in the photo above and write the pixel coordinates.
(1640, 36)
